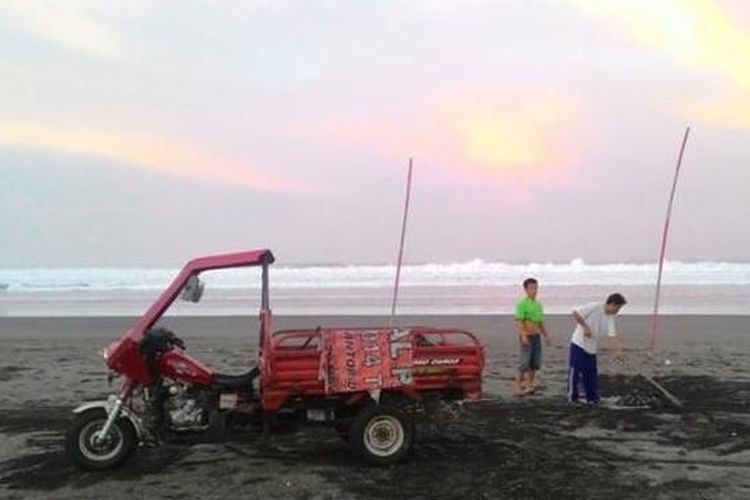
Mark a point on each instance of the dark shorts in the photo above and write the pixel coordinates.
(531, 354)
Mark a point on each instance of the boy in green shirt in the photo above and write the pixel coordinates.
(530, 322)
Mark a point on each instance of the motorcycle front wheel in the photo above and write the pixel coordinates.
(90, 451)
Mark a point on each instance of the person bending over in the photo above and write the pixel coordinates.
(594, 322)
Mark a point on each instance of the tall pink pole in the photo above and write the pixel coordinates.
(401, 244)
(653, 335)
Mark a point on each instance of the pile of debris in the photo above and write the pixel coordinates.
(639, 398)
(640, 391)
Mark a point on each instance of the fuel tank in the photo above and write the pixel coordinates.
(177, 365)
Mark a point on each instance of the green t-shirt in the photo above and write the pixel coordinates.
(529, 310)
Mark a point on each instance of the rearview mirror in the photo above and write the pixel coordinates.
(193, 290)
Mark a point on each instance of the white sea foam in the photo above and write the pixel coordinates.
(475, 273)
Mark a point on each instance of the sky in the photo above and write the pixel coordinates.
(144, 133)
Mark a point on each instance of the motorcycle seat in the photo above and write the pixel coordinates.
(229, 382)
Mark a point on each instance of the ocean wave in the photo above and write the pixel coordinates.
(473, 273)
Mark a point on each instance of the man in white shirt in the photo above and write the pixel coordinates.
(594, 322)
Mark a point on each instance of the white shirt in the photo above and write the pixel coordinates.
(601, 324)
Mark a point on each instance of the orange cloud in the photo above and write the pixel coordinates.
(731, 111)
(144, 152)
(698, 35)
(523, 138)
(532, 137)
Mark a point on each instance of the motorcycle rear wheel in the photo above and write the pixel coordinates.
(382, 434)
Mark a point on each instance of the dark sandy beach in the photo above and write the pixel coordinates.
(502, 447)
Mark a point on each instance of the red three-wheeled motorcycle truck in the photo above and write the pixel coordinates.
(364, 382)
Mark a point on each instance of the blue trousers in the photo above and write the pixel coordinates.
(582, 369)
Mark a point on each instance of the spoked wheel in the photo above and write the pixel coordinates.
(382, 434)
(90, 450)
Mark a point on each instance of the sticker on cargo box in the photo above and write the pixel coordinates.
(366, 360)
(437, 361)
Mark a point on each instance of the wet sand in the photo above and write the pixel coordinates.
(503, 447)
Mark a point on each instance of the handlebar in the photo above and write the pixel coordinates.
(155, 342)
(161, 340)
(177, 341)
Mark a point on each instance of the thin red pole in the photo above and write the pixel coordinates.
(653, 336)
(401, 244)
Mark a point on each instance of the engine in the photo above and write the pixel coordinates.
(186, 407)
